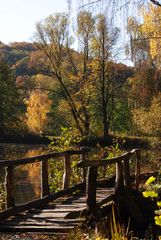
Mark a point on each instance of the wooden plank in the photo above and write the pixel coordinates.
(7, 228)
(40, 202)
(52, 220)
(44, 215)
(40, 223)
(55, 210)
(51, 211)
(70, 206)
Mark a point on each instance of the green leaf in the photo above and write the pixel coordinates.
(158, 220)
(151, 194)
(159, 204)
(150, 180)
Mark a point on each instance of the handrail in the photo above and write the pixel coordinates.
(122, 179)
(11, 164)
(40, 158)
(122, 173)
(105, 162)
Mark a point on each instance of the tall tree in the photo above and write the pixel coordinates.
(105, 83)
(70, 70)
(9, 100)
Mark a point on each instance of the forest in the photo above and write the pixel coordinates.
(49, 89)
(47, 85)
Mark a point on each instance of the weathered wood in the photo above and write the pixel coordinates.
(83, 159)
(35, 159)
(105, 162)
(67, 171)
(7, 228)
(137, 169)
(91, 186)
(119, 178)
(126, 171)
(133, 208)
(9, 185)
(44, 179)
(38, 203)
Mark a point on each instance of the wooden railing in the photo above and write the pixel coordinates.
(44, 159)
(122, 180)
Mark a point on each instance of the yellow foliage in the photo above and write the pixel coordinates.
(38, 106)
(149, 120)
(150, 180)
(158, 220)
(151, 194)
(152, 30)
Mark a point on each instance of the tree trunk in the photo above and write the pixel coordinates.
(105, 123)
(2, 131)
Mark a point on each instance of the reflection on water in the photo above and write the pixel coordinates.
(26, 177)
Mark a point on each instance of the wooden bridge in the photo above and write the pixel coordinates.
(68, 208)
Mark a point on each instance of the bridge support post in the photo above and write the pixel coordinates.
(44, 179)
(83, 159)
(119, 178)
(9, 185)
(91, 187)
(126, 170)
(67, 171)
(137, 170)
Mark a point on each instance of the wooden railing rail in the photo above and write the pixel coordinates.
(122, 180)
(44, 159)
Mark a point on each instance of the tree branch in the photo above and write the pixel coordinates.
(156, 3)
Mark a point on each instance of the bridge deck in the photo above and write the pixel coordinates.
(60, 215)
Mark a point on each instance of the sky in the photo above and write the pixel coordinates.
(18, 17)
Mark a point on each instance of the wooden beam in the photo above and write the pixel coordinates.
(67, 171)
(137, 169)
(9, 186)
(126, 171)
(105, 162)
(44, 179)
(83, 159)
(40, 158)
(119, 178)
(91, 186)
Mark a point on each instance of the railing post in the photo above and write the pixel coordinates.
(126, 170)
(137, 169)
(83, 159)
(44, 178)
(91, 187)
(119, 178)
(67, 171)
(9, 185)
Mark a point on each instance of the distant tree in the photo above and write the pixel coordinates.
(102, 44)
(151, 29)
(9, 100)
(54, 40)
(38, 107)
(148, 120)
